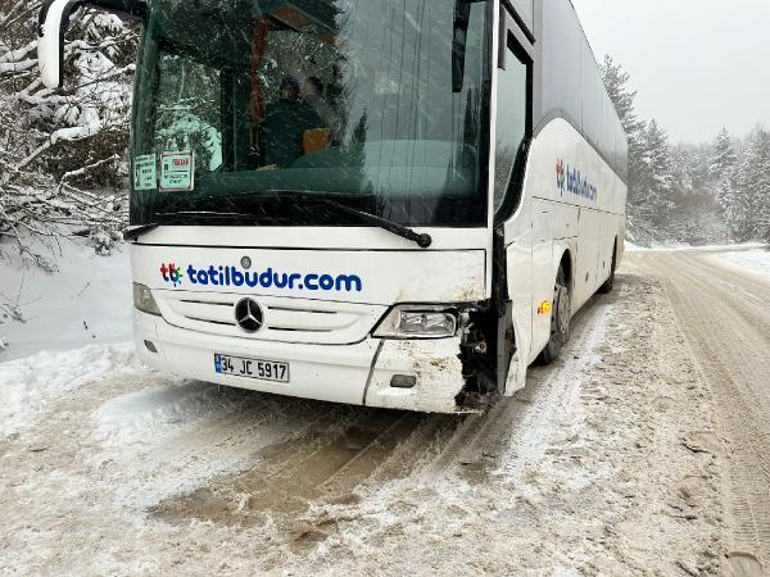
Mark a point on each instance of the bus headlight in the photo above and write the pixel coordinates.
(144, 301)
(417, 322)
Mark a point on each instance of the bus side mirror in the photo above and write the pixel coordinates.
(55, 20)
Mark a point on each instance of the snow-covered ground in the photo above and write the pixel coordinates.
(88, 301)
(609, 463)
(689, 248)
(27, 385)
(756, 261)
(584, 472)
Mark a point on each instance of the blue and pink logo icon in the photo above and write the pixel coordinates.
(561, 177)
(171, 273)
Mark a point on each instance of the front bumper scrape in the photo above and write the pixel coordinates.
(436, 367)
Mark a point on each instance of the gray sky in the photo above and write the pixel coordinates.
(699, 65)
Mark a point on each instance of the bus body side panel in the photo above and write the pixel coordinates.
(581, 146)
(593, 227)
(543, 273)
(567, 172)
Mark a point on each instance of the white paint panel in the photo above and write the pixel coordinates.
(329, 373)
(565, 221)
(51, 44)
(590, 224)
(386, 277)
(586, 275)
(559, 141)
(437, 370)
(543, 278)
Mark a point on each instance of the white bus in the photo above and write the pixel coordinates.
(394, 204)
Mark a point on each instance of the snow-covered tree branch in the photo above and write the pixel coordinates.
(56, 144)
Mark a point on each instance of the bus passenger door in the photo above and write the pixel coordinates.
(518, 253)
(513, 206)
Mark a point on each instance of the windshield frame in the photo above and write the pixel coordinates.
(142, 106)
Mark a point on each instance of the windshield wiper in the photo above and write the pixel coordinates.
(422, 240)
(134, 232)
(190, 218)
(184, 218)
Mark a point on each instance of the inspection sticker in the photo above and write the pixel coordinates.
(177, 171)
(145, 172)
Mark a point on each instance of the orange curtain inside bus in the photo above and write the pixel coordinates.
(258, 45)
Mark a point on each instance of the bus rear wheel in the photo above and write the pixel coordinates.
(561, 315)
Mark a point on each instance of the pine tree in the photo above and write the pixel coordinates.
(696, 217)
(654, 184)
(723, 157)
(752, 197)
(659, 159)
(616, 81)
(722, 165)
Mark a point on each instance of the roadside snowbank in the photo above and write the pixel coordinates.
(27, 385)
(688, 248)
(88, 301)
(756, 261)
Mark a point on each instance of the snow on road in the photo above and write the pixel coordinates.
(607, 464)
(722, 310)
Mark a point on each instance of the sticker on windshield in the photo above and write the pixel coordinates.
(177, 171)
(384, 84)
(145, 172)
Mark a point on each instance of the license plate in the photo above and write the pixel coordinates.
(251, 368)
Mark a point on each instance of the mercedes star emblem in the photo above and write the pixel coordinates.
(249, 315)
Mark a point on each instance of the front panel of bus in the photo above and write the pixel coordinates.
(265, 134)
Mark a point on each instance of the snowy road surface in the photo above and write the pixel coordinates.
(646, 450)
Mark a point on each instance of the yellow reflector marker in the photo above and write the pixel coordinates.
(544, 308)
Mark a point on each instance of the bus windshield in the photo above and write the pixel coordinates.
(381, 104)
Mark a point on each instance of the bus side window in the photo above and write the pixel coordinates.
(512, 126)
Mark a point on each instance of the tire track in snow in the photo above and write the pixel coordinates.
(524, 420)
(729, 334)
(351, 448)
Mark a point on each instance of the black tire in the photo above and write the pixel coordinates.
(561, 315)
(609, 284)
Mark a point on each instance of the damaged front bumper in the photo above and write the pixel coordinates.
(424, 376)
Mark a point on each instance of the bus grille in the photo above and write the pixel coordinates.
(285, 320)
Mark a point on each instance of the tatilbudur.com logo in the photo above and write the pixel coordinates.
(232, 276)
(571, 180)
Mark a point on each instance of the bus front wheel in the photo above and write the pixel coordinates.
(561, 314)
